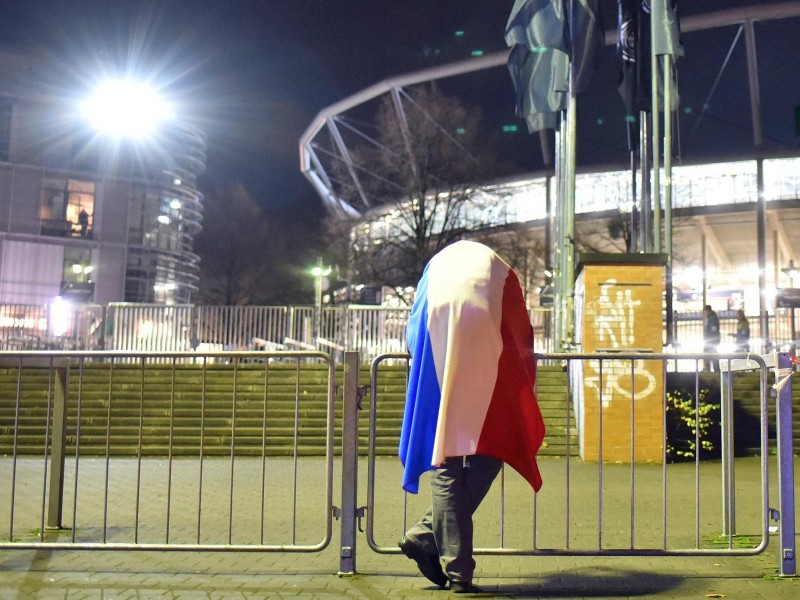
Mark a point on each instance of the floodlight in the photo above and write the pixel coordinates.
(126, 108)
(60, 316)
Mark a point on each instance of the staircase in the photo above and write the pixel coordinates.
(747, 409)
(126, 410)
(561, 431)
(551, 391)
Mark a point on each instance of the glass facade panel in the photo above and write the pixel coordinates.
(782, 179)
(67, 207)
(712, 184)
(6, 106)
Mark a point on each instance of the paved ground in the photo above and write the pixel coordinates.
(567, 512)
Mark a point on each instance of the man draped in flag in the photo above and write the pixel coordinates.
(470, 404)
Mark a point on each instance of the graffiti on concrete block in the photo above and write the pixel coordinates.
(613, 317)
(627, 378)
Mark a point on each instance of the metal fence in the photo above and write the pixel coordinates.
(596, 508)
(369, 330)
(166, 469)
(782, 333)
(193, 476)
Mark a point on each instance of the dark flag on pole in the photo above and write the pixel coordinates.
(635, 18)
(666, 28)
(539, 103)
(546, 36)
(586, 40)
(633, 52)
(538, 62)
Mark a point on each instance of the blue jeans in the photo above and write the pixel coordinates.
(457, 489)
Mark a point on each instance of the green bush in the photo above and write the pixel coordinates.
(686, 415)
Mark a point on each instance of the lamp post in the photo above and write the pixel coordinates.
(792, 272)
(126, 109)
(320, 274)
(126, 115)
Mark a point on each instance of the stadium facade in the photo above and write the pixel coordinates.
(736, 208)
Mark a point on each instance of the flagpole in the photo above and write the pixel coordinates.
(655, 189)
(668, 191)
(664, 44)
(634, 242)
(563, 233)
(569, 240)
(547, 45)
(558, 275)
(547, 156)
(645, 212)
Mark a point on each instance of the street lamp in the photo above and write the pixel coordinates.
(126, 108)
(82, 271)
(320, 274)
(126, 115)
(791, 272)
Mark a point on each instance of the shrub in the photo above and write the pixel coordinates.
(687, 415)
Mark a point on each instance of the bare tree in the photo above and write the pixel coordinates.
(421, 171)
(523, 250)
(612, 231)
(245, 253)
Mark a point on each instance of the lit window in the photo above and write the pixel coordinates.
(67, 208)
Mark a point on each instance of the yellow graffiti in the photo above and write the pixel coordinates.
(615, 329)
(614, 318)
(629, 379)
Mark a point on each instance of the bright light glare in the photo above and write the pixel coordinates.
(690, 274)
(126, 108)
(59, 316)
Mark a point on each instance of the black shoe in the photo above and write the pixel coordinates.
(464, 587)
(428, 564)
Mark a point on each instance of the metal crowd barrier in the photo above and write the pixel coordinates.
(597, 508)
(197, 470)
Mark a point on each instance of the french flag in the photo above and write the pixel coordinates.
(473, 369)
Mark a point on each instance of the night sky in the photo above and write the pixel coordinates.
(254, 73)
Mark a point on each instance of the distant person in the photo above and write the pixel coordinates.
(83, 221)
(742, 334)
(470, 404)
(711, 336)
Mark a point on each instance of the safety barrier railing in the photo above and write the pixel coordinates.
(368, 330)
(601, 505)
(177, 451)
(166, 451)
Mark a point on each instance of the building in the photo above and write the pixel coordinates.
(715, 228)
(84, 217)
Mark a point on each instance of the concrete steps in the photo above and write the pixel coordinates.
(125, 410)
(561, 434)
